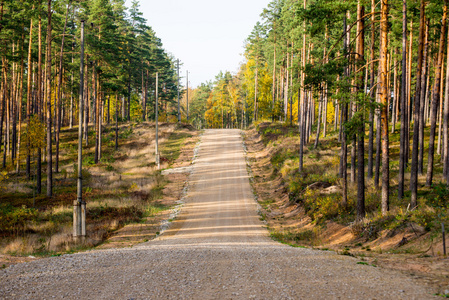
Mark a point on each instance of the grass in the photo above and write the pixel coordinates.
(321, 165)
(125, 187)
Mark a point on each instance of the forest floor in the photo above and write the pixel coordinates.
(399, 243)
(127, 196)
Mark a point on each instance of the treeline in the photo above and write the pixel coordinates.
(40, 47)
(365, 70)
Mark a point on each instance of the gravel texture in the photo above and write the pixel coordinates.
(217, 248)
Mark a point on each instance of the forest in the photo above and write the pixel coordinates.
(40, 87)
(62, 62)
(371, 76)
(366, 80)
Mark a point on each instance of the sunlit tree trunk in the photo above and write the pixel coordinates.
(436, 98)
(360, 59)
(371, 94)
(28, 109)
(383, 95)
(416, 119)
(404, 130)
(423, 98)
(59, 104)
(446, 120)
(39, 104)
(49, 141)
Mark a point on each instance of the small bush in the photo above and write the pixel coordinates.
(14, 219)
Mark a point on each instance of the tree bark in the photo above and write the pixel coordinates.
(360, 59)
(383, 95)
(446, 121)
(29, 58)
(416, 125)
(423, 98)
(436, 98)
(371, 95)
(49, 141)
(59, 105)
(404, 129)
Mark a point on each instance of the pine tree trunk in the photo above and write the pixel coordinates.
(395, 96)
(144, 108)
(383, 95)
(404, 129)
(446, 121)
(274, 83)
(59, 104)
(423, 101)
(116, 121)
(409, 94)
(19, 107)
(97, 116)
(416, 119)
(39, 101)
(49, 141)
(436, 98)
(378, 139)
(129, 98)
(28, 159)
(255, 92)
(360, 59)
(371, 95)
(440, 117)
(344, 119)
(320, 109)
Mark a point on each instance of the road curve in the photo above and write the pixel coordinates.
(216, 249)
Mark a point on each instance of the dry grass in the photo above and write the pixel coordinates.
(125, 187)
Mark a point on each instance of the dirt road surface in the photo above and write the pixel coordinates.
(216, 249)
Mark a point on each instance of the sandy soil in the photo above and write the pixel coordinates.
(217, 249)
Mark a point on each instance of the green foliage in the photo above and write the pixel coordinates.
(322, 207)
(14, 219)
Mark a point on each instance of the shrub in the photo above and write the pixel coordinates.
(14, 219)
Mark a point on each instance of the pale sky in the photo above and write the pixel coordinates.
(206, 35)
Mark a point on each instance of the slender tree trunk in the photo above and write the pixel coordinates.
(274, 83)
(71, 96)
(446, 121)
(344, 119)
(59, 105)
(404, 129)
(361, 130)
(436, 98)
(409, 94)
(378, 139)
(144, 96)
(371, 95)
(383, 94)
(39, 105)
(28, 159)
(116, 121)
(49, 141)
(19, 107)
(416, 125)
(320, 109)
(255, 92)
(395, 96)
(129, 97)
(97, 116)
(423, 101)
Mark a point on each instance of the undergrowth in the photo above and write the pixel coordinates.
(321, 167)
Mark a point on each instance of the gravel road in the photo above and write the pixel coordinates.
(217, 248)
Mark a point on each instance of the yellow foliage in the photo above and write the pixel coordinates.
(35, 134)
